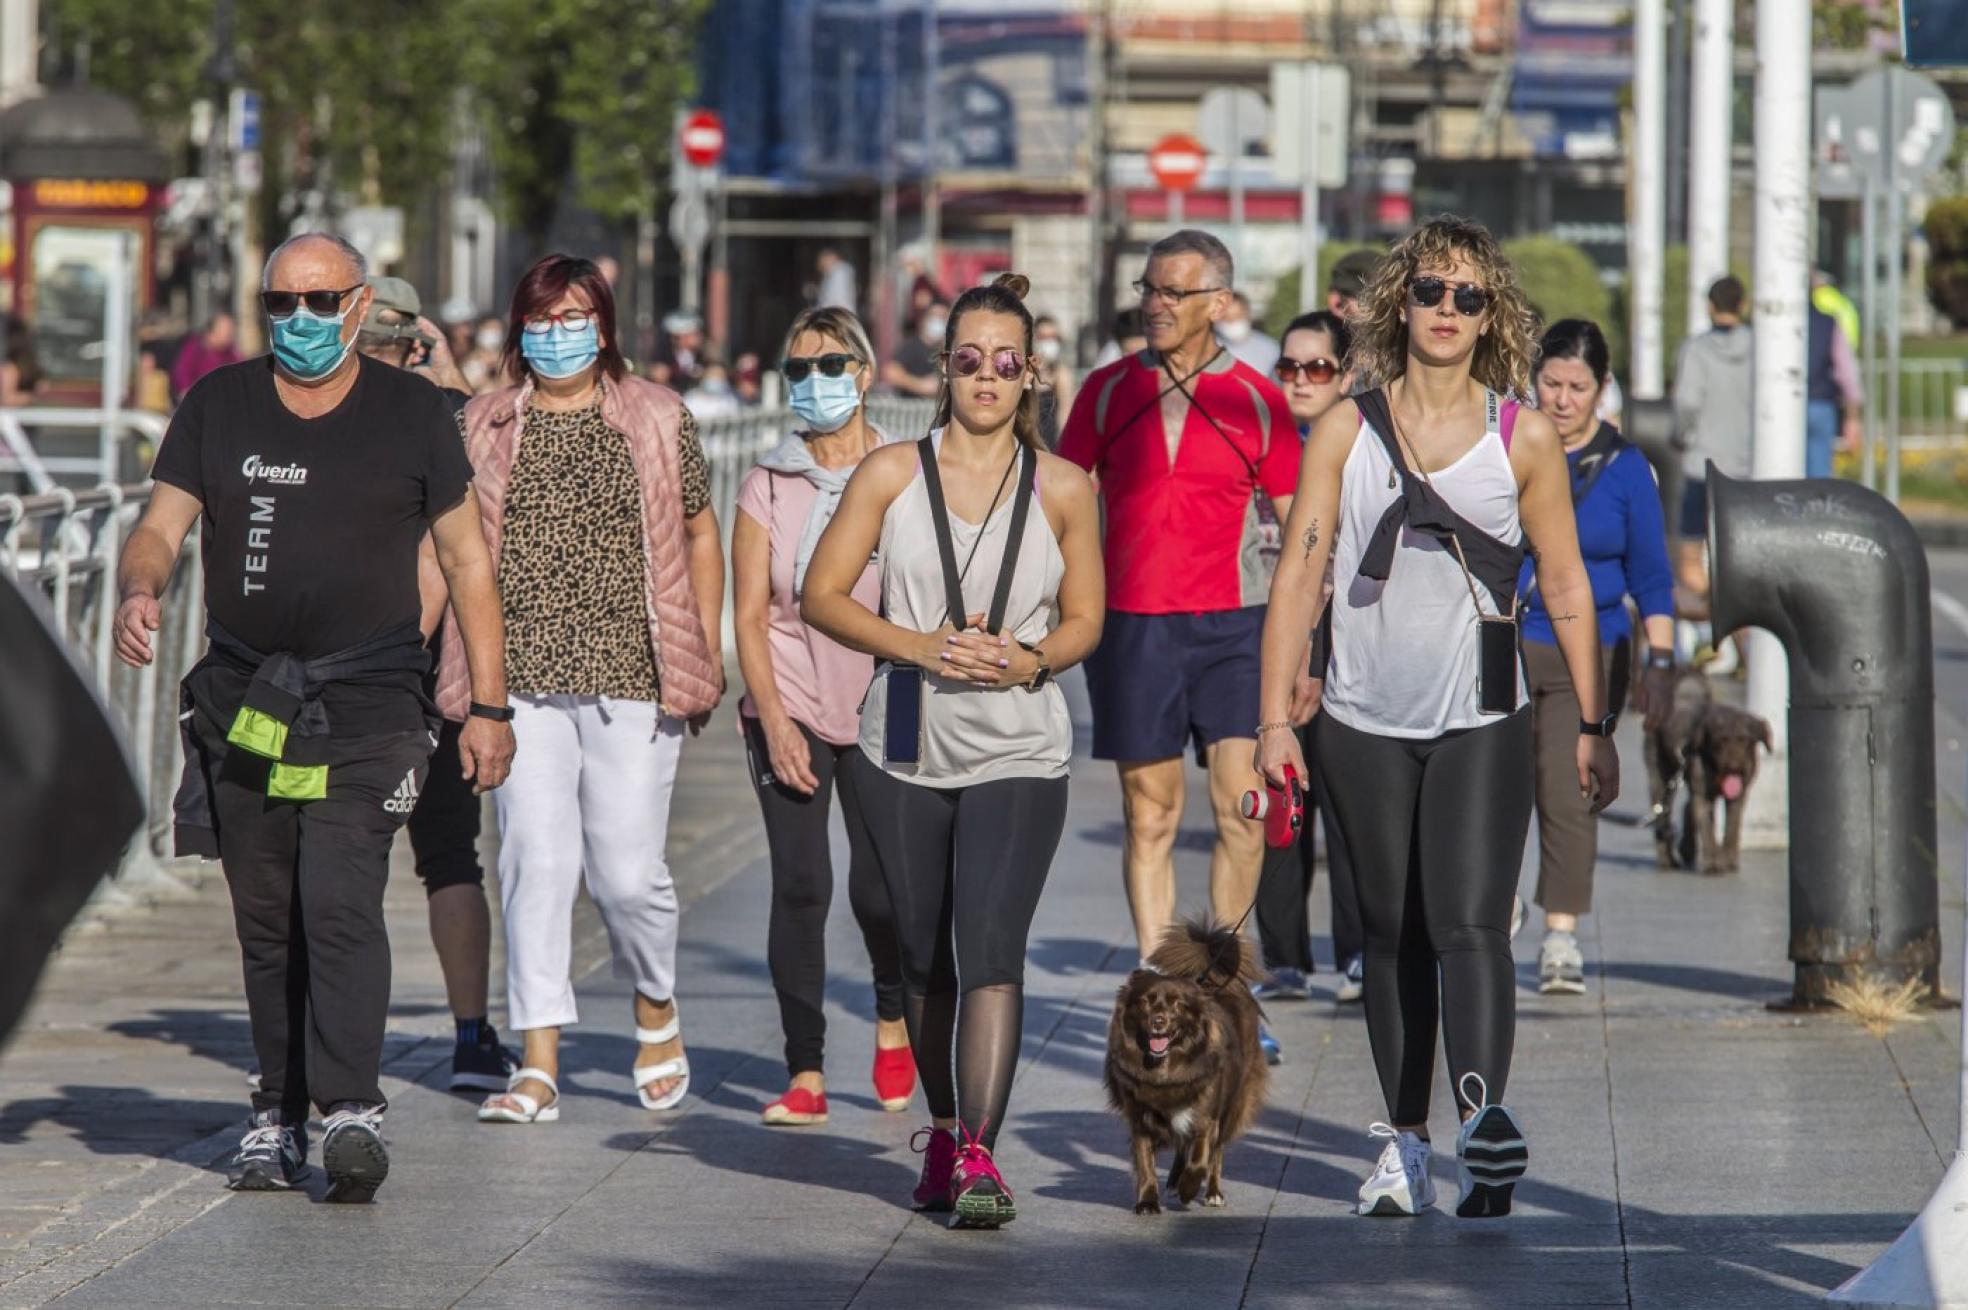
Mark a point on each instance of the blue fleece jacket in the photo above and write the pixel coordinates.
(1624, 543)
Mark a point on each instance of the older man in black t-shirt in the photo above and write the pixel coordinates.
(307, 730)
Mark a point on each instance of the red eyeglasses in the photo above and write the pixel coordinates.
(966, 360)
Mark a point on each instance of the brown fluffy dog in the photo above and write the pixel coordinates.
(1183, 1064)
(1721, 766)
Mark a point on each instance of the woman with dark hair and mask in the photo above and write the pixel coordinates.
(597, 510)
(801, 713)
(1425, 490)
(991, 583)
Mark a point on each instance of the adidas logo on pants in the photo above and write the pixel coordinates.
(405, 799)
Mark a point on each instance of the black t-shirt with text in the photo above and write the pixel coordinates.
(311, 526)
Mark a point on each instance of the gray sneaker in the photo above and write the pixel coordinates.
(1561, 968)
(1282, 984)
(352, 1153)
(1353, 980)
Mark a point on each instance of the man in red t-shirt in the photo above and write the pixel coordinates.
(1192, 448)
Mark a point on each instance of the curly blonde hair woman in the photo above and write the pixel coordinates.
(1507, 346)
(1425, 491)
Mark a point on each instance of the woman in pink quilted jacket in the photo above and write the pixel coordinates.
(596, 505)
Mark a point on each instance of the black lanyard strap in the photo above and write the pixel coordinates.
(1021, 504)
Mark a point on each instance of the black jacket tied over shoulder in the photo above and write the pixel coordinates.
(1491, 562)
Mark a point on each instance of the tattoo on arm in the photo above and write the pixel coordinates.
(1311, 538)
(1563, 618)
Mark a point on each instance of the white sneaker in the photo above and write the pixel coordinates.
(1353, 980)
(1516, 916)
(1399, 1183)
(1561, 967)
(1491, 1155)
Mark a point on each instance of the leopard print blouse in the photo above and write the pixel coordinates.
(571, 564)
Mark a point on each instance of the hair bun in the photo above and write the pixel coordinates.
(1017, 283)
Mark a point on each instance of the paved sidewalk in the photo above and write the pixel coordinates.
(1690, 1147)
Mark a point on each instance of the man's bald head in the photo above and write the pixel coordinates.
(324, 260)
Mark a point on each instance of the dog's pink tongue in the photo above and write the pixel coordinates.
(1158, 1045)
(1732, 786)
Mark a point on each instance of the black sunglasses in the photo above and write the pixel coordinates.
(1319, 371)
(325, 304)
(796, 367)
(1470, 300)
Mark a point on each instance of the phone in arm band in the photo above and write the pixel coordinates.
(902, 716)
(1496, 665)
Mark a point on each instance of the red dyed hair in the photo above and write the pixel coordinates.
(542, 287)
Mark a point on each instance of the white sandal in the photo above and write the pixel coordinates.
(530, 1110)
(678, 1068)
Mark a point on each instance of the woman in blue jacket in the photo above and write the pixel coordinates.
(1624, 542)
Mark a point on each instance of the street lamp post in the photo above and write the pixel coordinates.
(1710, 144)
(1649, 217)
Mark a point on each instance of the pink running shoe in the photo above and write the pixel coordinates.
(977, 1190)
(939, 1157)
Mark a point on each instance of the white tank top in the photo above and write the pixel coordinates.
(972, 734)
(1404, 651)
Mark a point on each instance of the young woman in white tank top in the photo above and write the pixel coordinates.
(1428, 769)
(966, 828)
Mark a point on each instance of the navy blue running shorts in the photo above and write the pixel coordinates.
(1161, 683)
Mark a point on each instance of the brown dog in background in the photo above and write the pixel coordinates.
(1721, 766)
(1184, 1067)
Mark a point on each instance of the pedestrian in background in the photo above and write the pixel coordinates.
(914, 370)
(1187, 442)
(1714, 420)
(1834, 397)
(444, 823)
(306, 728)
(597, 511)
(1623, 541)
(1241, 336)
(213, 348)
(838, 285)
(1055, 372)
(801, 713)
(1423, 491)
(1351, 273)
(1312, 371)
(965, 738)
(484, 367)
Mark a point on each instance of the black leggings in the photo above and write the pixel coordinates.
(964, 867)
(803, 891)
(1436, 829)
(1286, 881)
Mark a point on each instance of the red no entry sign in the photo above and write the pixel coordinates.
(1177, 162)
(702, 138)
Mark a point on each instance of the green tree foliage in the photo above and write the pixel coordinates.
(1946, 225)
(1284, 295)
(361, 92)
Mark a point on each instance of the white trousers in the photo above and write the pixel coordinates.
(589, 791)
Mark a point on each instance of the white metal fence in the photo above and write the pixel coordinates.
(64, 544)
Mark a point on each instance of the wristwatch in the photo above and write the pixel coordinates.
(497, 713)
(1043, 674)
(1603, 728)
(1661, 660)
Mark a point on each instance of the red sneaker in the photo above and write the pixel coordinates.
(977, 1190)
(797, 1108)
(939, 1155)
(895, 1078)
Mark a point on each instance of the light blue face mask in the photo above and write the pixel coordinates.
(826, 404)
(309, 346)
(561, 351)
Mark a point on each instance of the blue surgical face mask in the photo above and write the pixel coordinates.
(561, 351)
(826, 404)
(310, 347)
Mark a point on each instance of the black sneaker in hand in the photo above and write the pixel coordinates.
(272, 1156)
(483, 1065)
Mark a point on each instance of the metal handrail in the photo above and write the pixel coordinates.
(113, 425)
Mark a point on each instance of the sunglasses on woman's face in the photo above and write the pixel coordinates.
(796, 367)
(1470, 299)
(1317, 371)
(966, 360)
(322, 304)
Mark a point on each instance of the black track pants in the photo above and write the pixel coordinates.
(1436, 829)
